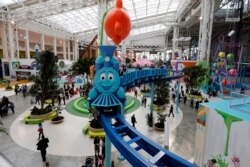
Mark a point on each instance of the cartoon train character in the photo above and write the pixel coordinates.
(106, 59)
(106, 91)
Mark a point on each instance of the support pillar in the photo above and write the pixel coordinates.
(165, 49)
(17, 43)
(54, 46)
(76, 51)
(102, 8)
(27, 44)
(107, 162)
(69, 50)
(124, 52)
(64, 50)
(42, 42)
(152, 95)
(177, 97)
(175, 42)
(207, 13)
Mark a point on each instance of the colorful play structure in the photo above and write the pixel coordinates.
(108, 97)
(227, 69)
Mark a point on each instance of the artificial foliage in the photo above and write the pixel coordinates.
(82, 66)
(196, 75)
(45, 84)
(162, 92)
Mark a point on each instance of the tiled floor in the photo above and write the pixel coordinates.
(62, 143)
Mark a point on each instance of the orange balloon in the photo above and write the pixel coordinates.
(117, 23)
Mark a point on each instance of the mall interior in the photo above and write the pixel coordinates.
(119, 83)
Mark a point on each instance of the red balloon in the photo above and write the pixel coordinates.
(117, 23)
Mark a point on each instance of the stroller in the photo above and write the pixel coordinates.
(89, 162)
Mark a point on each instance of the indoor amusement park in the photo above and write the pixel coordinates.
(121, 83)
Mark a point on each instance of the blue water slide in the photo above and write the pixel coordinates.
(131, 149)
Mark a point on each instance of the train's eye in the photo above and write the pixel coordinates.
(102, 76)
(110, 76)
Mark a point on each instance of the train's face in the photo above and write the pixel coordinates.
(107, 80)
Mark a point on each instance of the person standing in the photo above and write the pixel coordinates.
(42, 146)
(97, 145)
(40, 130)
(171, 111)
(37, 99)
(133, 120)
(145, 102)
(12, 106)
(135, 93)
(184, 99)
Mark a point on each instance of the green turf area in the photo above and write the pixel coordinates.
(78, 106)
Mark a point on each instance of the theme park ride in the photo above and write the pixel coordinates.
(107, 96)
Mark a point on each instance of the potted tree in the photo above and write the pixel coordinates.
(45, 85)
(195, 75)
(162, 95)
(58, 118)
(8, 87)
(150, 120)
(161, 119)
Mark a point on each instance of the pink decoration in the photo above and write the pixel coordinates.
(233, 72)
(143, 62)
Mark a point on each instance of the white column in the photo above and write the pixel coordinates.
(102, 7)
(11, 41)
(68, 49)
(165, 49)
(54, 46)
(124, 52)
(64, 49)
(42, 42)
(206, 29)
(27, 44)
(76, 51)
(4, 43)
(17, 43)
(175, 42)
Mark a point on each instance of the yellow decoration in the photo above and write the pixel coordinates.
(222, 54)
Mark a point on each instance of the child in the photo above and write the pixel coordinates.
(40, 130)
(11, 106)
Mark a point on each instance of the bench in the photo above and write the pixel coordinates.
(98, 134)
(52, 115)
(85, 129)
(28, 120)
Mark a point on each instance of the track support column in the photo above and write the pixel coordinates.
(177, 97)
(152, 89)
(107, 162)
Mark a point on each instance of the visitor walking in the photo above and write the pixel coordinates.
(197, 105)
(37, 99)
(171, 111)
(40, 130)
(97, 145)
(103, 147)
(192, 103)
(133, 120)
(184, 99)
(135, 93)
(42, 146)
(12, 106)
(145, 102)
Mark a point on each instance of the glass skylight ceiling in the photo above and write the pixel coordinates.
(147, 29)
(7, 2)
(77, 20)
(87, 18)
